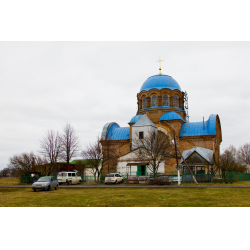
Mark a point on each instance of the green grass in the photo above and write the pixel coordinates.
(116, 197)
(9, 181)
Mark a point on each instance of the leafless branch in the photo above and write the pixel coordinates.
(23, 163)
(243, 154)
(93, 157)
(153, 149)
(51, 147)
(70, 146)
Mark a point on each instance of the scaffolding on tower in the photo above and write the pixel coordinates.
(186, 105)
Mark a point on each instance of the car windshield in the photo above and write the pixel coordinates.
(109, 175)
(44, 179)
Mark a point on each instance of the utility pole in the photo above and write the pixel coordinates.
(178, 169)
(191, 172)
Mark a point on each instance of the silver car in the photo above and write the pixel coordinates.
(45, 183)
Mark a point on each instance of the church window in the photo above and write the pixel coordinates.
(176, 101)
(165, 100)
(144, 102)
(154, 100)
(140, 135)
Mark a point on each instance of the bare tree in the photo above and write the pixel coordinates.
(22, 164)
(153, 149)
(93, 157)
(243, 154)
(51, 147)
(5, 172)
(228, 162)
(110, 154)
(70, 146)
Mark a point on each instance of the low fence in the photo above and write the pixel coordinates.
(27, 178)
(91, 177)
(199, 177)
(233, 177)
(173, 177)
(187, 178)
(142, 178)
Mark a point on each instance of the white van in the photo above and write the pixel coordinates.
(69, 178)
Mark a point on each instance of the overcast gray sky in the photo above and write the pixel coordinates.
(44, 85)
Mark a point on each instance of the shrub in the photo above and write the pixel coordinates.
(160, 180)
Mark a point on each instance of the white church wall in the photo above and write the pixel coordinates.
(146, 129)
(91, 171)
(161, 168)
(124, 169)
(130, 156)
(121, 167)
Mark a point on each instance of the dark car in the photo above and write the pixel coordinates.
(45, 183)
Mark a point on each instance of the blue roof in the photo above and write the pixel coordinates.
(199, 128)
(160, 82)
(115, 132)
(105, 130)
(171, 116)
(135, 118)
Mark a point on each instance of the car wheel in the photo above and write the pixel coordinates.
(80, 182)
(69, 182)
(60, 183)
(34, 190)
(48, 188)
(122, 181)
(116, 182)
(56, 187)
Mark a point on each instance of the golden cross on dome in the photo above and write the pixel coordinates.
(160, 65)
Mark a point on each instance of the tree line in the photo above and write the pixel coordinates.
(57, 147)
(234, 160)
(154, 148)
(63, 147)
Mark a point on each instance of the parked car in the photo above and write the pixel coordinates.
(113, 178)
(69, 178)
(45, 183)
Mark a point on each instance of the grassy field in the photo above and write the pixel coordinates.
(201, 197)
(113, 197)
(9, 181)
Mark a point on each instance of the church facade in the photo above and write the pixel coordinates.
(162, 102)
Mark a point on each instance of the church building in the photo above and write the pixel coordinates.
(162, 106)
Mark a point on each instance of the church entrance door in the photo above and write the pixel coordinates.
(141, 170)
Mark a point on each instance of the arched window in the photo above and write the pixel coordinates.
(176, 101)
(165, 100)
(144, 102)
(154, 100)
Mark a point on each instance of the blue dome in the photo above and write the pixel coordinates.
(171, 116)
(160, 82)
(135, 119)
(115, 132)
